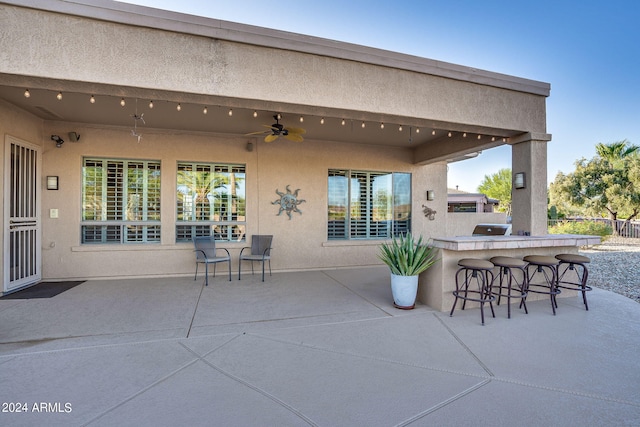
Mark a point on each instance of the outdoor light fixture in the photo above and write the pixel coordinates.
(519, 180)
(59, 141)
(430, 195)
(52, 183)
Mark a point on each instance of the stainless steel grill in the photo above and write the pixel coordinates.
(492, 230)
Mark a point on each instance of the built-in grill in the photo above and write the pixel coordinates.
(492, 230)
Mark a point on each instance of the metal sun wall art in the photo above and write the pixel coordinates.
(288, 202)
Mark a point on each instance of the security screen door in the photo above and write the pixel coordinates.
(22, 232)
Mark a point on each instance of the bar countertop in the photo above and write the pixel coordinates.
(474, 243)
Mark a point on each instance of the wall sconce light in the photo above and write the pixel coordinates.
(430, 195)
(74, 136)
(52, 183)
(519, 180)
(249, 146)
(59, 141)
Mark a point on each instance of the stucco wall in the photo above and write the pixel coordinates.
(299, 244)
(462, 224)
(258, 76)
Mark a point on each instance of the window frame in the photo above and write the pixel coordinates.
(225, 228)
(116, 218)
(359, 214)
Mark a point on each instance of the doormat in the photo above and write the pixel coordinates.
(43, 290)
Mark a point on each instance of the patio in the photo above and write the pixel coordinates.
(320, 348)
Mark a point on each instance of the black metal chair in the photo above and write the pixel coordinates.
(480, 272)
(508, 284)
(260, 250)
(547, 268)
(573, 274)
(206, 253)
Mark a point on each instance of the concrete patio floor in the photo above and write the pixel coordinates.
(322, 348)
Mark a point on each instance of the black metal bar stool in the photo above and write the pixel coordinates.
(508, 284)
(547, 267)
(480, 272)
(573, 274)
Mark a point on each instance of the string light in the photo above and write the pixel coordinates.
(179, 107)
(433, 132)
(59, 96)
(27, 94)
(417, 130)
(151, 105)
(449, 134)
(381, 125)
(92, 99)
(322, 121)
(400, 128)
(301, 119)
(343, 122)
(205, 110)
(122, 103)
(230, 112)
(464, 135)
(479, 136)
(255, 114)
(363, 125)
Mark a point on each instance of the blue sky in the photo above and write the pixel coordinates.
(588, 51)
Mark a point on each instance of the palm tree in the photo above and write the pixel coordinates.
(616, 152)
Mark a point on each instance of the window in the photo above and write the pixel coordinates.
(120, 201)
(210, 201)
(368, 205)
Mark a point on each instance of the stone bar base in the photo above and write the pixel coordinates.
(437, 283)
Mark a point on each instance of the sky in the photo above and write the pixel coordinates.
(589, 52)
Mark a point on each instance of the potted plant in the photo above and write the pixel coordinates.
(406, 258)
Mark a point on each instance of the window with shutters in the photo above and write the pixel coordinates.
(368, 205)
(120, 201)
(210, 201)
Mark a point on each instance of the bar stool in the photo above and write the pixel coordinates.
(574, 266)
(546, 266)
(478, 271)
(507, 265)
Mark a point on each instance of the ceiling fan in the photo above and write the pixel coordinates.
(277, 129)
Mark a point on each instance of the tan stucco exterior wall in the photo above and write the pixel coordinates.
(299, 244)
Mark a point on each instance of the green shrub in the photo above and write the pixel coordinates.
(592, 228)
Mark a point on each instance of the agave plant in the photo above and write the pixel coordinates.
(406, 257)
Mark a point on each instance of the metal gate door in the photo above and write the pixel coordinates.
(22, 233)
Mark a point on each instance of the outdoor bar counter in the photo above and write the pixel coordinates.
(438, 282)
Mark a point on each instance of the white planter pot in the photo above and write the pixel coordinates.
(404, 290)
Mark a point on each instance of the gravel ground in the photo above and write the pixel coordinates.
(615, 266)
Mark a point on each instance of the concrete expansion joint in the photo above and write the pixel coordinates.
(463, 345)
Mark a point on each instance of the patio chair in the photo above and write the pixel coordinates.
(206, 253)
(260, 250)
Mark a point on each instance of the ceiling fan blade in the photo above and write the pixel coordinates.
(294, 137)
(270, 138)
(296, 130)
